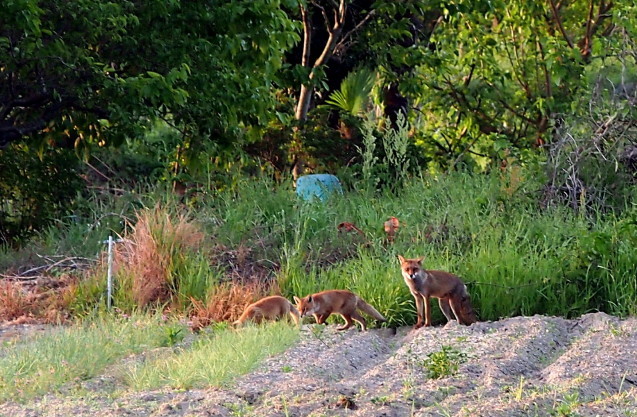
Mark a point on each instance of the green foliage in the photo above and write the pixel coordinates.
(389, 165)
(353, 96)
(487, 229)
(325, 147)
(105, 71)
(501, 71)
(516, 259)
(65, 354)
(34, 189)
(215, 359)
(444, 363)
(590, 167)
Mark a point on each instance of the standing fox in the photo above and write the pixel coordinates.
(342, 302)
(447, 288)
(269, 308)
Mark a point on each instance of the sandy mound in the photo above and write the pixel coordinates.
(522, 366)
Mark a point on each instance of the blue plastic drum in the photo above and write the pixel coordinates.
(319, 186)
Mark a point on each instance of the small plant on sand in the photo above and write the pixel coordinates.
(444, 363)
(381, 400)
(567, 406)
(173, 335)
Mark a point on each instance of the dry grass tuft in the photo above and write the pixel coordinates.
(43, 302)
(150, 251)
(14, 302)
(226, 302)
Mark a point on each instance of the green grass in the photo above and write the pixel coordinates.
(60, 358)
(213, 360)
(66, 354)
(516, 257)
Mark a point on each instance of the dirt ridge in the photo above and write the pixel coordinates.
(519, 366)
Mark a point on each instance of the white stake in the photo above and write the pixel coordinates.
(109, 276)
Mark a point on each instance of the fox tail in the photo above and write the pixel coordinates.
(363, 306)
(296, 316)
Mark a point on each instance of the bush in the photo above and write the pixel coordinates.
(36, 188)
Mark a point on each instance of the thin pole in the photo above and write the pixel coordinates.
(109, 276)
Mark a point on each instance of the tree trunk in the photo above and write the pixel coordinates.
(303, 106)
(334, 29)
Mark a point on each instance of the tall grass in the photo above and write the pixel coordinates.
(516, 256)
(213, 360)
(66, 354)
(158, 262)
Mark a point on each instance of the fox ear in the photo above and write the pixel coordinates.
(309, 298)
(297, 300)
(401, 259)
(419, 260)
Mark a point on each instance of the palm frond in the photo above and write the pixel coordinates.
(354, 94)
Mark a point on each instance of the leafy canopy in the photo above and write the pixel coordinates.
(88, 71)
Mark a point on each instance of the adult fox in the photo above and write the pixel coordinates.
(447, 288)
(269, 308)
(342, 302)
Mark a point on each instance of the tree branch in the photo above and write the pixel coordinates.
(547, 75)
(340, 46)
(592, 25)
(558, 21)
(307, 36)
(334, 34)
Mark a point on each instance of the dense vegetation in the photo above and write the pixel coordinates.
(502, 135)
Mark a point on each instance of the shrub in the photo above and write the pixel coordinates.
(36, 188)
(226, 302)
(150, 256)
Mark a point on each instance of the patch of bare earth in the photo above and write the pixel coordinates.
(521, 366)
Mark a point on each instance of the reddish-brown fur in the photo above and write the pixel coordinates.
(391, 228)
(269, 308)
(342, 302)
(447, 288)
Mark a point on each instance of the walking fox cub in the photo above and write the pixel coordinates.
(269, 308)
(342, 302)
(447, 288)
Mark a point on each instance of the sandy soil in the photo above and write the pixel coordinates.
(521, 366)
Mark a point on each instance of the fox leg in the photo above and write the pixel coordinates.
(348, 322)
(427, 312)
(456, 306)
(419, 310)
(320, 319)
(357, 317)
(446, 309)
(295, 317)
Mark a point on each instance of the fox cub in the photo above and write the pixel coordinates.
(447, 288)
(269, 308)
(342, 302)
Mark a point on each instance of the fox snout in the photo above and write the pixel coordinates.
(308, 311)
